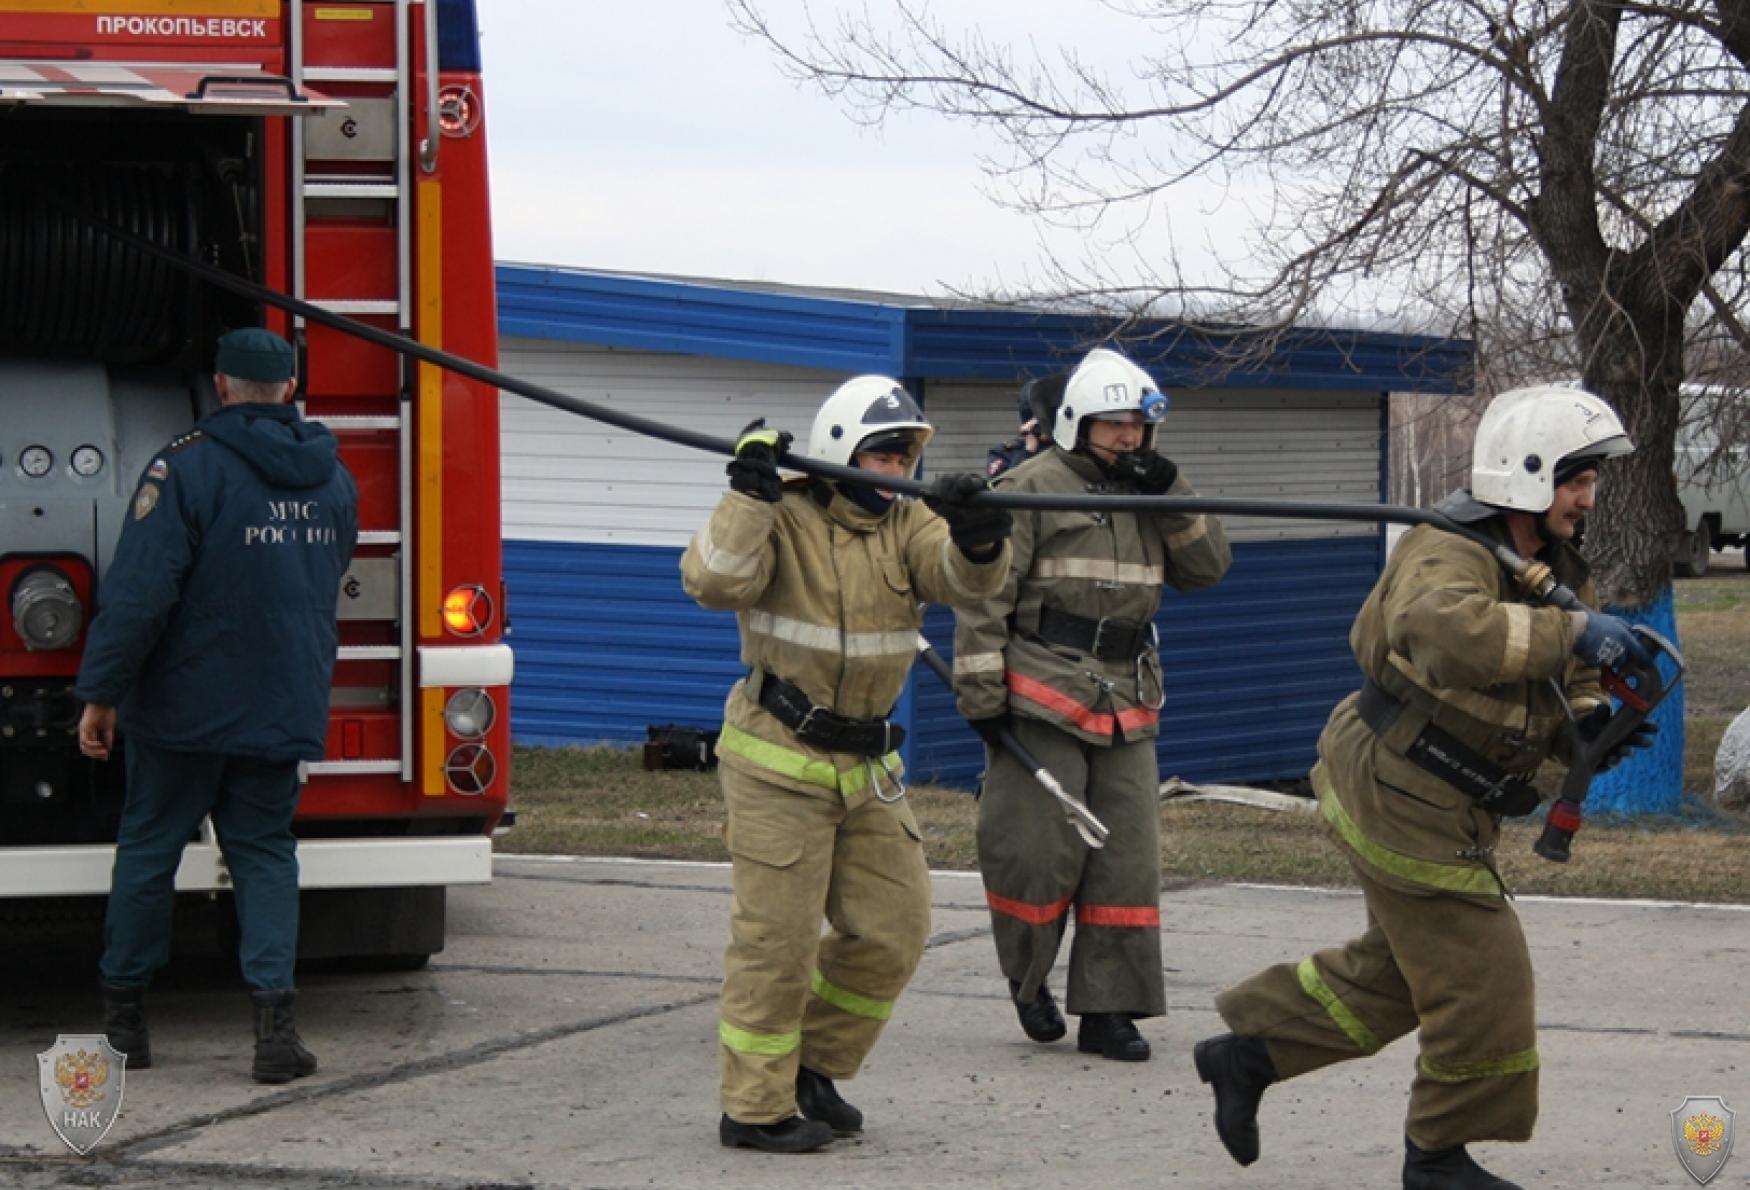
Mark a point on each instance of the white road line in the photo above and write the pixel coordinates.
(1535, 899)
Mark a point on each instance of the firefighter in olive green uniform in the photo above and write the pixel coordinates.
(1458, 708)
(1065, 657)
(825, 580)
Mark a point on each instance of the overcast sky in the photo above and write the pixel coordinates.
(647, 135)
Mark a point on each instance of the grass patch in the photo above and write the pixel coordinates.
(600, 801)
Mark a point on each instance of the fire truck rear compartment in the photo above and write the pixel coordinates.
(104, 357)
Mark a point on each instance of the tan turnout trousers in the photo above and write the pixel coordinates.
(1037, 870)
(1417, 963)
(790, 995)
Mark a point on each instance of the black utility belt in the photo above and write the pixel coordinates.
(823, 727)
(1108, 638)
(1442, 754)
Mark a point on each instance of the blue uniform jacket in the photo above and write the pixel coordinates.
(216, 627)
(1009, 454)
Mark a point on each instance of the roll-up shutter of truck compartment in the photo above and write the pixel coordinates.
(206, 88)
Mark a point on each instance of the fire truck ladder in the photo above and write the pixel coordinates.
(349, 176)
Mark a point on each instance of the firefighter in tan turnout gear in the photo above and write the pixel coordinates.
(825, 580)
(1458, 706)
(1065, 657)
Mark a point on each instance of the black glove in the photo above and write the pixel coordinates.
(1640, 737)
(978, 529)
(991, 730)
(1515, 798)
(754, 470)
(1151, 473)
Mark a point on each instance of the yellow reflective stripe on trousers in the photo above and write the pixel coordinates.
(797, 765)
(1523, 1062)
(1448, 877)
(1314, 985)
(863, 1006)
(771, 1045)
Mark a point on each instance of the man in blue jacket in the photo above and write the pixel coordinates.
(214, 644)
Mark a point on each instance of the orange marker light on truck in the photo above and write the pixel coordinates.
(468, 611)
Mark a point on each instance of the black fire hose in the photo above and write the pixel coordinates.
(1524, 570)
(1534, 579)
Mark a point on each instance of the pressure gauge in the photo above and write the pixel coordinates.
(35, 461)
(87, 461)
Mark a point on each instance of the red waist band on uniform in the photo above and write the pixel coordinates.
(1086, 718)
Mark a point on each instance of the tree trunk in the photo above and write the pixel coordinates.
(1637, 366)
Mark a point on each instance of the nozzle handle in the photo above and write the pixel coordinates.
(1556, 843)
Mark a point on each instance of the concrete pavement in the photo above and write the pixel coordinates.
(566, 1038)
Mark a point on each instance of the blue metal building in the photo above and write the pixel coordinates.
(595, 519)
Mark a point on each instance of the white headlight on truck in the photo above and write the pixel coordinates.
(469, 713)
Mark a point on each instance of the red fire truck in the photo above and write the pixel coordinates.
(334, 152)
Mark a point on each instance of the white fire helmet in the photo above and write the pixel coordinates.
(1527, 434)
(866, 410)
(1105, 383)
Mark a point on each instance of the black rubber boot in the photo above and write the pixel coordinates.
(1238, 1069)
(818, 1099)
(124, 1023)
(1040, 1019)
(1447, 1169)
(280, 1055)
(1111, 1035)
(794, 1135)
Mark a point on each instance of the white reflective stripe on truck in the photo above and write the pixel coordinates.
(75, 870)
(465, 665)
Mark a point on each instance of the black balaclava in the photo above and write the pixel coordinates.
(863, 496)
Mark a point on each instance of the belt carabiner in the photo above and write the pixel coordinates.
(893, 778)
(1154, 648)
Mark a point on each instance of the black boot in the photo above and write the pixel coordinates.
(124, 1023)
(1112, 1035)
(794, 1135)
(818, 1099)
(1040, 1019)
(1447, 1169)
(1238, 1068)
(280, 1055)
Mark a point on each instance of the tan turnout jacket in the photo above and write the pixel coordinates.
(1445, 632)
(827, 598)
(1091, 565)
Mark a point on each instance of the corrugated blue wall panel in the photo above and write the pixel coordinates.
(961, 343)
(656, 315)
(910, 337)
(607, 643)
(1254, 666)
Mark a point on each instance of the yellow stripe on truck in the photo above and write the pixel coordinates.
(429, 321)
(431, 714)
(429, 474)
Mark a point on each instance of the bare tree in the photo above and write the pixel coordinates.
(1430, 447)
(1565, 180)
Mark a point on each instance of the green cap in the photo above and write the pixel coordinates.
(254, 354)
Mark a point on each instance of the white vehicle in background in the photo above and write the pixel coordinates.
(1716, 499)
